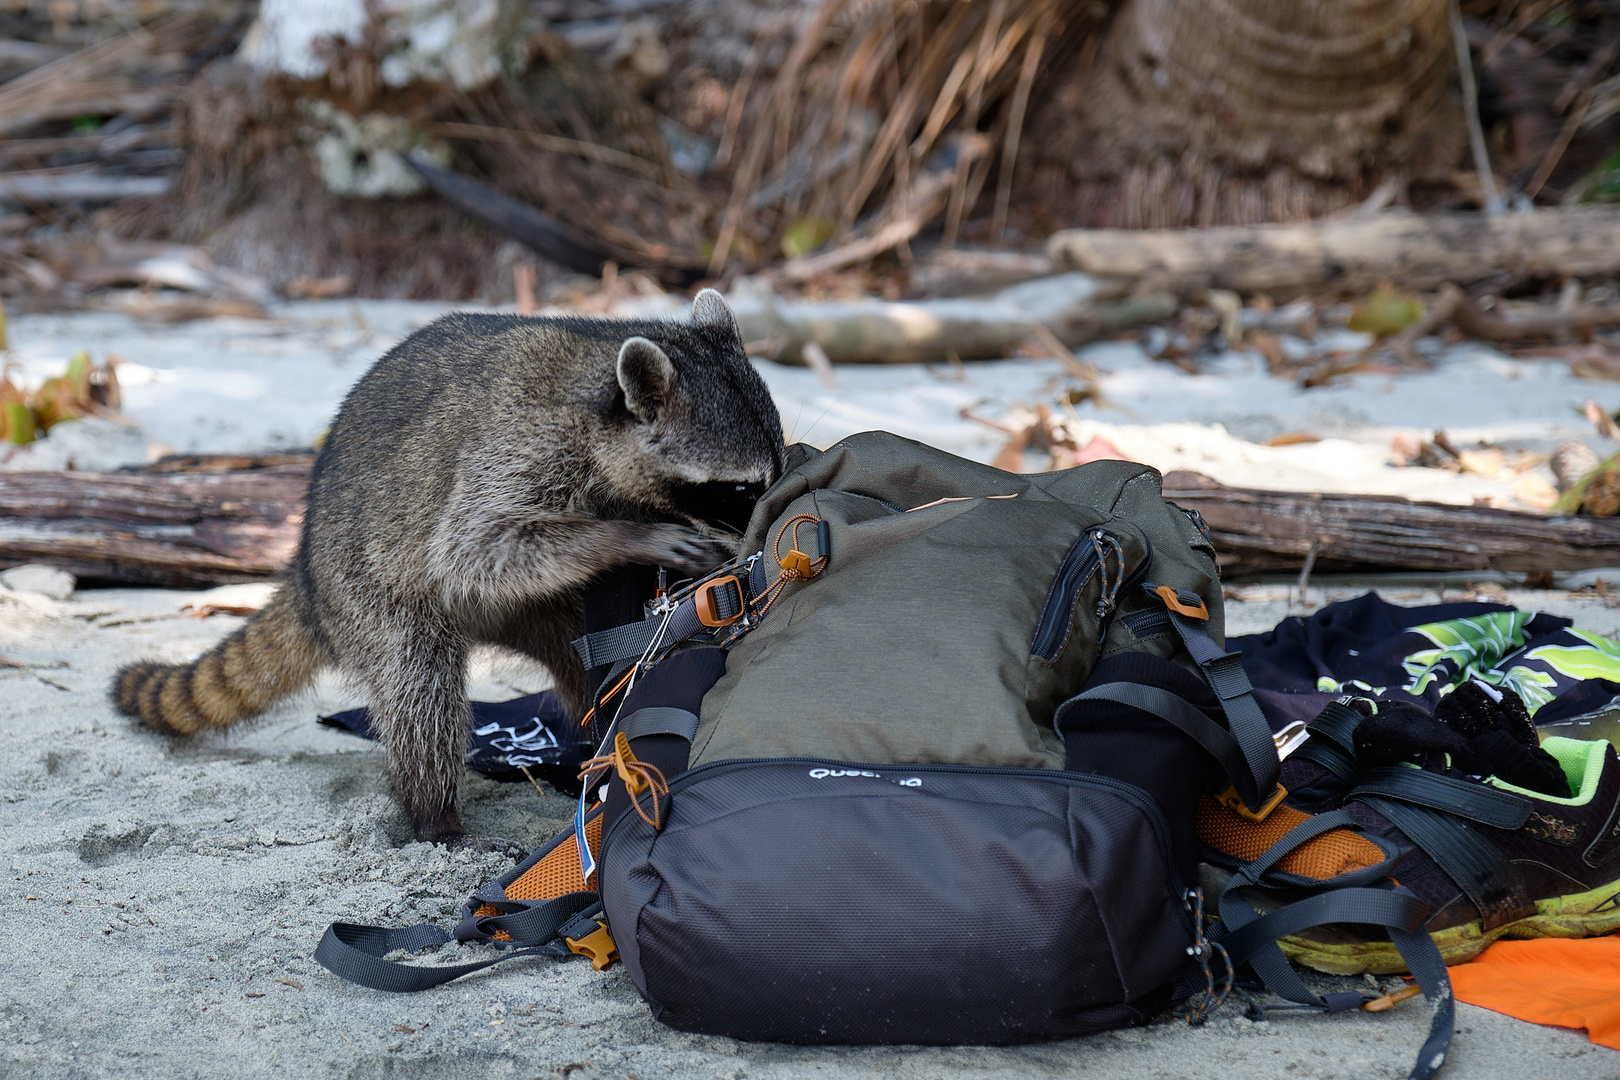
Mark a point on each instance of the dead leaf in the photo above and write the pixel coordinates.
(202, 611)
(1385, 311)
(1011, 457)
(1535, 491)
(1602, 421)
(1487, 462)
(325, 288)
(1271, 347)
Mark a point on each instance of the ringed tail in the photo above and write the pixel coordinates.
(271, 656)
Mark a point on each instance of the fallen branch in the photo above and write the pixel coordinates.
(1452, 305)
(170, 529)
(27, 188)
(922, 202)
(1273, 532)
(1414, 251)
(1075, 308)
(202, 526)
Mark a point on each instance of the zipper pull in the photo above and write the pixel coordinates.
(1102, 543)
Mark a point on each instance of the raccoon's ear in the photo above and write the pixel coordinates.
(711, 311)
(645, 375)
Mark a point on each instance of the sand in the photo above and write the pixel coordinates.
(164, 898)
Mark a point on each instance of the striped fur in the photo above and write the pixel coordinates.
(252, 669)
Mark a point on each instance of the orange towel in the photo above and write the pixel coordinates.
(1571, 983)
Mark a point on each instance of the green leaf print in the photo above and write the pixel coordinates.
(1474, 645)
(1599, 658)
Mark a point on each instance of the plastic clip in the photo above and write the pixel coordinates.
(597, 946)
(719, 602)
(1173, 599)
(1234, 802)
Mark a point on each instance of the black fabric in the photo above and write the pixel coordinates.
(1251, 938)
(505, 737)
(1116, 739)
(1364, 646)
(356, 953)
(822, 902)
(615, 598)
(678, 682)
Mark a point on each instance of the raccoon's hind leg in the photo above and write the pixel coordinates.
(414, 671)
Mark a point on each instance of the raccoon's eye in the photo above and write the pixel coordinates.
(719, 502)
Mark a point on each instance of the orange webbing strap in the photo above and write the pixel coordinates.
(1323, 858)
(555, 874)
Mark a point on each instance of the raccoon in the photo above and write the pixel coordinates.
(475, 480)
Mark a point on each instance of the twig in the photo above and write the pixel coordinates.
(1476, 133)
(1305, 571)
(555, 143)
(1555, 152)
(815, 358)
(1015, 127)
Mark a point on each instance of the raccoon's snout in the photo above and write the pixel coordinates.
(723, 503)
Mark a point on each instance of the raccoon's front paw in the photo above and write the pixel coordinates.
(683, 549)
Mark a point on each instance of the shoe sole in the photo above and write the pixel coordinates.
(1588, 914)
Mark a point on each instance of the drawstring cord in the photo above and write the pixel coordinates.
(1104, 544)
(1203, 949)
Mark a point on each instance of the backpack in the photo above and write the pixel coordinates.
(925, 767)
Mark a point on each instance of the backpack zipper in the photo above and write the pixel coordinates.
(1052, 628)
(1147, 623)
(1089, 554)
(1130, 792)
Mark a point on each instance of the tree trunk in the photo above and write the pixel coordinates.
(1201, 112)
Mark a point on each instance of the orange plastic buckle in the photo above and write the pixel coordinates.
(708, 611)
(1234, 802)
(1173, 601)
(597, 946)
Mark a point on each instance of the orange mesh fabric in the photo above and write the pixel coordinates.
(558, 872)
(1327, 856)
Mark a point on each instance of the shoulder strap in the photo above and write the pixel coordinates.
(1254, 772)
(356, 953)
(1251, 938)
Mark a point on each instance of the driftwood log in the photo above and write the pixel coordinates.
(198, 522)
(1269, 532)
(1074, 308)
(179, 529)
(1418, 251)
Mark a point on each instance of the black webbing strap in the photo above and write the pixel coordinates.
(660, 720)
(1464, 798)
(1252, 938)
(1332, 742)
(1472, 862)
(1257, 781)
(356, 953)
(1173, 709)
(631, 641)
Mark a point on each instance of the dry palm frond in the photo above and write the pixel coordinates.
(872, 89)
(121, 75)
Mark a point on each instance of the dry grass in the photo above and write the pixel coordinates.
(869, 93)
